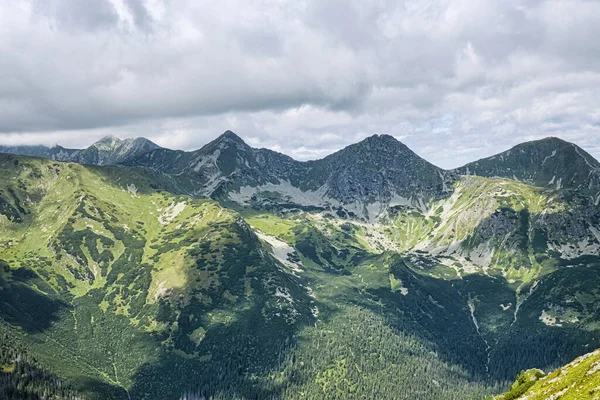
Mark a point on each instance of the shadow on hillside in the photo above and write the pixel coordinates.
(530, 343)
(23, 306)
(435, 311)
(238, 360)
(244, 334)
(96, 389)
(438, 311)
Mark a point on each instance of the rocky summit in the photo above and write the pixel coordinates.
(131, 271)
(549, 163)
(362, 179)
(108, 150)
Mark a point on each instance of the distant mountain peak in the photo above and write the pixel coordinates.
(108, 138)
(380, 138)
(107, 142)
(107, 150)
(383, 137)
(380, 149)
(550, 162)
(143, 140)
(384, 141)
(231, 137)
(551, 139)
(227, 139)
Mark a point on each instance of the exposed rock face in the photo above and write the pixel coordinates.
(111, 150)
(108, 150)
(486, 276)
(57, 153)
(551, 163)
(375, 173)
(381, 168)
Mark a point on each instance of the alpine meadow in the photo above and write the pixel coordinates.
(239, 273)
(299, 200)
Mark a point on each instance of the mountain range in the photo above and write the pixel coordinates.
(108, 150)
(378, 171)
(138, 272)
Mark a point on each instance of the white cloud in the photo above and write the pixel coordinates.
(455, 79)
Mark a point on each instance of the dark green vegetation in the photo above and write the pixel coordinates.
(578, 380)
(128, 283)
(22, 378)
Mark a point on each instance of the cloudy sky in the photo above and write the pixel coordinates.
(455, 80)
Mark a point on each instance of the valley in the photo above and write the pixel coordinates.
(239, 273)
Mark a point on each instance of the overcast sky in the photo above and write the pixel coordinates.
(455, 80)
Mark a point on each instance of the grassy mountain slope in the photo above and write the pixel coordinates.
(577, 380)
(129, 291)
(110, 279)
(127, 286)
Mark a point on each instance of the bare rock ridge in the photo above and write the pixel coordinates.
(108, 150)
(363, 178)
(550, 163)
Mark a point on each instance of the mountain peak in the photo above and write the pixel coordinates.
(142, 141)
(384, 137)
(230, 136)
(377, 146)
(108, 139)
(551, 139)
(107, 142)
(227, 139)
(550, 162)
(382, 140)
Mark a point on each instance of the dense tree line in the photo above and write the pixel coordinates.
(21, 378)
(356, 356)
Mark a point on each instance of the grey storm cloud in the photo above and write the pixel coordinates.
(455, 80)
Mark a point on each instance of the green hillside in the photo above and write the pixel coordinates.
(578, 380)
(113, 282)
(124, 285)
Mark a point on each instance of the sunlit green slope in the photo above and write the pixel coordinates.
(578, 380)
(128, 289)
(113, 282)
